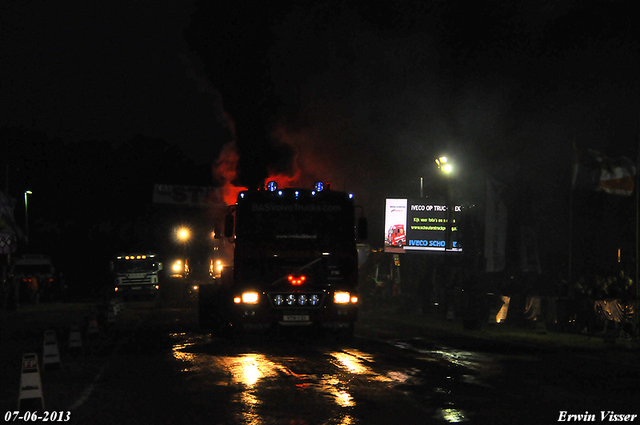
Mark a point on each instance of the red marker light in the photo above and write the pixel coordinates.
(296, 280)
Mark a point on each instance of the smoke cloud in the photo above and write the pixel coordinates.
(366, 100)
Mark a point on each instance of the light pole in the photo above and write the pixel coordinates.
(447, 168)
(26, 213)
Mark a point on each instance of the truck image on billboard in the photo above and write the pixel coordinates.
(421, 226)
(395, 223)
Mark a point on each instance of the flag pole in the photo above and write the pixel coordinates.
(570, 232)
(571, 188)
(637, 276)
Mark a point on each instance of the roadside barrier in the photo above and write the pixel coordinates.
(111, 316)
(117, 305)
(450, 314)
(75, 339)
(30, 397)
(50, 352)
(92, 328)
(114, 306)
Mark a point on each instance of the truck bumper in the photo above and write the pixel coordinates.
(259, 318)
(128, 290)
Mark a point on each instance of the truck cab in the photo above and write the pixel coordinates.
(396, 236)
(36, 278)
(136, 274)
(295, 263)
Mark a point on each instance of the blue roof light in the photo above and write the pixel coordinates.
(351, 196)
(280, 193)
(319, 186)
(272, 186)
(242, 194)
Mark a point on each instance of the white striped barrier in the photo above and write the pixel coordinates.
(75, 338)
(117, 306)
(30, 397)
(50, 352)
(92, 328)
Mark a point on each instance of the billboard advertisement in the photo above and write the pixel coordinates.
(189, 196)
(420, 225)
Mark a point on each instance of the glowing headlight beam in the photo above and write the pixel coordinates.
(340, 297)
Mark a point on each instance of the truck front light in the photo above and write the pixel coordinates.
(250, 297)
(340, 297)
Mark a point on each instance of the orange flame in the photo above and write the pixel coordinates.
(225, 170)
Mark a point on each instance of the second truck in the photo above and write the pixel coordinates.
(136, 275)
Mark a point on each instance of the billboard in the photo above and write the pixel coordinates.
(189, 196)
(420, 225)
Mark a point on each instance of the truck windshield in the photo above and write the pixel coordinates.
(135, 266)
(34, 269)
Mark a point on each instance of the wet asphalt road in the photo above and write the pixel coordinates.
(154, 366)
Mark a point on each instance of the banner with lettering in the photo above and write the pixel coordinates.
(190, 196)
(417, 225)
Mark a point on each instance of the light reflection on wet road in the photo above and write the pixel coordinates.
(298, 383)
(156, 367)
(168, 372)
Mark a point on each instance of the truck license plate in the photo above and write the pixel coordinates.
(295, 318)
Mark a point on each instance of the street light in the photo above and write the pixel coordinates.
(447, 168)
(444, 165)
(26, 214)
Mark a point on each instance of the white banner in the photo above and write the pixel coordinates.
(190, 196)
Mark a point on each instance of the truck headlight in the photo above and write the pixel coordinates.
(247, 298)
(177, 266)
(340, 297)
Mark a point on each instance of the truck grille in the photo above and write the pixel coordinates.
(126, 280)
(296, 299)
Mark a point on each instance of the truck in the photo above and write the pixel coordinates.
(396, 236)
(36, 278)
(295, 263)
(136, 274)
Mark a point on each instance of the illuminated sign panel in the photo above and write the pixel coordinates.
(419, 226)
(189, 196)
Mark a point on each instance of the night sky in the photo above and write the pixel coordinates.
(356, 93)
